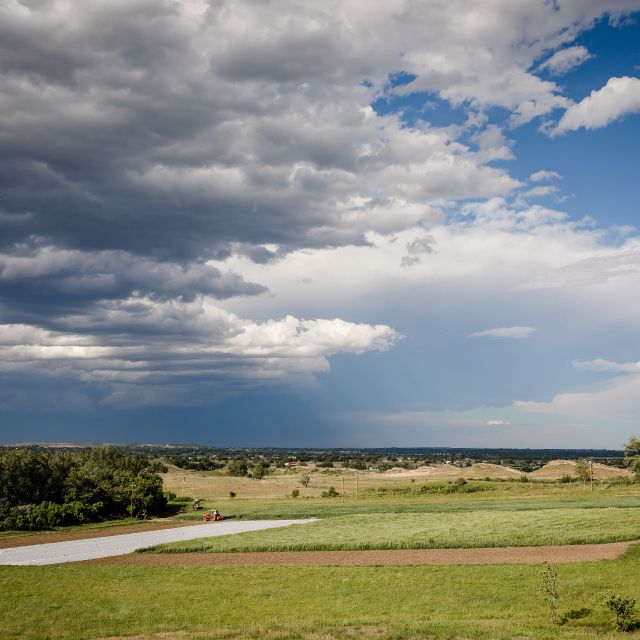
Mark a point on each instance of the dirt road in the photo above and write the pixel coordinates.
(106, 546)
(501, 555)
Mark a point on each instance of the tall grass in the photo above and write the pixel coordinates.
(432, 531)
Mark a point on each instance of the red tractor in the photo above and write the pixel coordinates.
(212, 516)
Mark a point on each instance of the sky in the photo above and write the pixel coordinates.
(337, 224)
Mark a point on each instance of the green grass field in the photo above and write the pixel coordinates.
(251, 510)
(73, 602)
(428, 530)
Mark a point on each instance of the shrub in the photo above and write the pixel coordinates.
(622, 609)
(330, 493)
(232, 494)
(295, 493)
(550, 588)
(259, 471)
(238, 467)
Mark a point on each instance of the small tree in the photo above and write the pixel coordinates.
(583, 472)
(632, 454)
(238, 467)
(305, 480)
(550, 588)
(259, 471)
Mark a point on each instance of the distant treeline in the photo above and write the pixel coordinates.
(340, 455)
(45, 489)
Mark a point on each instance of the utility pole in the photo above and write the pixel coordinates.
(591, 473)
(357, 474)
(342, 488)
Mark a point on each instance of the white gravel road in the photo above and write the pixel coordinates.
(76, 550)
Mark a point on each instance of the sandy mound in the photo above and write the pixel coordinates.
(556, 469)
(484, 470)
(477, 471)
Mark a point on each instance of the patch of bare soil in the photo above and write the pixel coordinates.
(24, 540)
(163, 635)
(501, 555)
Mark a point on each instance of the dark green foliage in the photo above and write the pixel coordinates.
(330, 493)
(259, 471)
(622, 609)
(40, 490)
(238, 467)
(295, 493)
(632, 454)
(327, 464)
(195, 463)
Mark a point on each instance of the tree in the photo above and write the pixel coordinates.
(583, 472)
(305, 480)
(259, 471)
(238, 467)
(632, 454)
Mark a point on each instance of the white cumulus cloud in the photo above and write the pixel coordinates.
(563, 61)
(618, 98)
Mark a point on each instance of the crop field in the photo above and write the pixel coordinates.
(74, 602)
(433, 530)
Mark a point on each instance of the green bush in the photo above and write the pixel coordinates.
(238, 467)
(622, 609)
(330, 493)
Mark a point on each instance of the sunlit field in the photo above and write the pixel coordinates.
(74, 602)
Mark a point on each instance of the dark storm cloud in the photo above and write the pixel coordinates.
(34, 276)
(141, 138)
(175, 129)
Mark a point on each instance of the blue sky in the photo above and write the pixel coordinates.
(316, 225)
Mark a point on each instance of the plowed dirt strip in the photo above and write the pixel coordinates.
(501, 555)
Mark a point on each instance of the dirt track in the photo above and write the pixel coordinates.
(502, 555)
(63, 536)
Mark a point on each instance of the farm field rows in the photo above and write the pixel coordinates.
(429, 530)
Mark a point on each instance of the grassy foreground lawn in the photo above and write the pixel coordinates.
(480, 528)
(73, 602)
